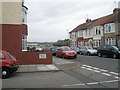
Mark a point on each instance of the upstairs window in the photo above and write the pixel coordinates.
(97, 31)
(109, 28)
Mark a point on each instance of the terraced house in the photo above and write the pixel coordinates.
(104, 30)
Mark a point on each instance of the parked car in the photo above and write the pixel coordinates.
(46, 48)
(66, 52)
(108, 50)
(87, 50)
(76, 49)
(8, 64)
(38, 49)
(53, 50)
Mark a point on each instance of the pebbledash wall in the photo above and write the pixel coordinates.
(12, 30)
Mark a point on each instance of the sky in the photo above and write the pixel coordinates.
(52, 20)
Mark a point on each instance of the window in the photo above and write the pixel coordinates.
(24, 42)
(2, 56)
(97, 30)
(24, 15)
(110, 41)
(86, 32)
(80, 33)
(109, 28)
(97, 43)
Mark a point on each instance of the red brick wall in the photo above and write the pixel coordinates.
(12, 42)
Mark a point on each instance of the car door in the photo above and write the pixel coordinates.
(2, 59)
(103, 50)
(85, 50)
(109, 51)
(59, 51)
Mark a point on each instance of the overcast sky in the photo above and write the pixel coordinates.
(51, 20)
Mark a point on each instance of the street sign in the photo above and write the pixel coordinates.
(42, 56)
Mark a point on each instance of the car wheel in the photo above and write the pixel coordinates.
(114, 56)
(88, 53)
(99, 54)
(75, 57)
(5, 73)
(63, 56)
(80, 53)
(57, 55)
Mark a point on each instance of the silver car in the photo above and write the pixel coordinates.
(87, 50)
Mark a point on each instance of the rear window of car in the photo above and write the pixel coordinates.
(2, 56)
(103, 47)
(66, 49)
(11, 56)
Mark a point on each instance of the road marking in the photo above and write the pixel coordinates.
(83, 67)
(92, 83)
(82, 84)
(103, 70)
(110, 81)
(89, 69)
(114, 73)
(117, 77)
(95, 68)
(96, 71)
(106, 74)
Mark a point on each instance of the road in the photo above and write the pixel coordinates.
(94, 72)
(109, 64)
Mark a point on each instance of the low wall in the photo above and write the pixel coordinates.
(43, 57)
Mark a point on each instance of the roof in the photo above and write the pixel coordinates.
(100, 21)
(106, 19)
(80, 27)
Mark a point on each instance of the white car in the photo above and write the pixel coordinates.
(87, 50)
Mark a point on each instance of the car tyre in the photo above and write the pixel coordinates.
(99, 54)
(114, 56)
(81, 53)
(75, 57)
(88, 53)
(63, 56)
(57, 55)
(5, 73)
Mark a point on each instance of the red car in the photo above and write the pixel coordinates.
(8, 64)
(66, 52)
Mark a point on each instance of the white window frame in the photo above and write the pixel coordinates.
(109, 28)
(110, 41)
(97, 43)
(24, 42)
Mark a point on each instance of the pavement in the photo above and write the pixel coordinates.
(58, 65)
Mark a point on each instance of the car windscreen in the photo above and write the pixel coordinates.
(11, 56)
(2, 56)
(114, 47)
(66, 49)
(119, 48)
(90, 48)
(75, 48)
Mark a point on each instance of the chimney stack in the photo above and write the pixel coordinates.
(116, 10)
